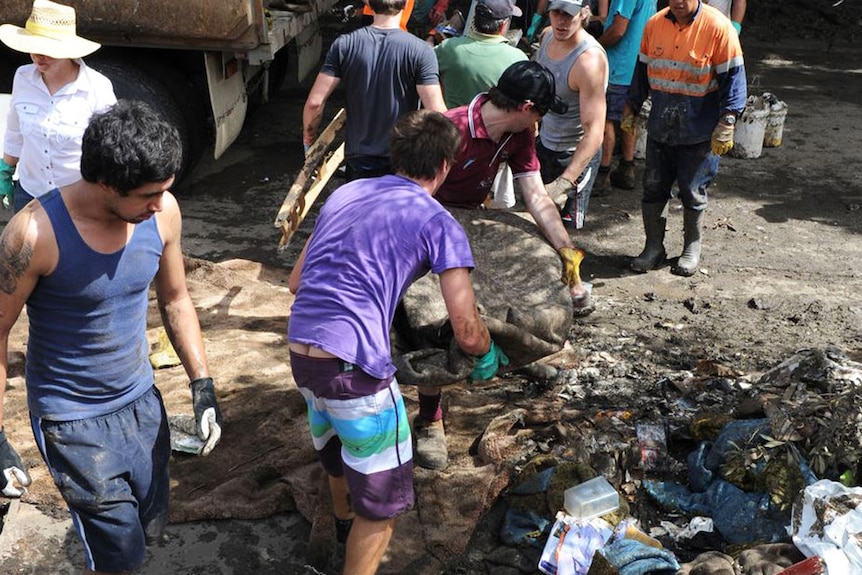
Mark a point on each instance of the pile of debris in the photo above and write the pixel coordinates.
(710, 473)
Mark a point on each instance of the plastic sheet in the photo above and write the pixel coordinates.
(829, 525)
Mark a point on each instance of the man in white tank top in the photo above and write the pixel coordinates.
(569, 144)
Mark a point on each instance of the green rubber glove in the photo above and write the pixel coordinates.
(534, 26)
(486, 366)
(7, 187)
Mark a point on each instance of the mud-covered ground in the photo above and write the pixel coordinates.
(782, 263)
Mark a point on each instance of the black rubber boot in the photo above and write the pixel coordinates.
(653, 254)
(690, 258)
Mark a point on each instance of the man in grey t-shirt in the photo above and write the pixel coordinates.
(386, 72)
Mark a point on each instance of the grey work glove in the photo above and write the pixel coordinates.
(12, 470)
(207, 414)
(559, 190)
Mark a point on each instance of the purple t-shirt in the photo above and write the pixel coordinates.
(372, 239)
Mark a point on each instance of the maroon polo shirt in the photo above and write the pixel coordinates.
(473, 172)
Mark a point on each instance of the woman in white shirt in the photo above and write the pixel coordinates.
(52, 102)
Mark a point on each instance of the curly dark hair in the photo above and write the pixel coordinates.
(130, 145)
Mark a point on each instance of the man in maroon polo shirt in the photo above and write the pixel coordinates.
(499, 126)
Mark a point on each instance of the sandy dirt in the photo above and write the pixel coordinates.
(781, 269)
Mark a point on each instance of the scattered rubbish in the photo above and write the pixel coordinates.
(630, 556)
(591, 498)
(184, 436)
(810, 566)
(163, 354)
(828, 525)
(652, 444)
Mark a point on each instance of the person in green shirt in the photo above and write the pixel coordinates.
(471, 64)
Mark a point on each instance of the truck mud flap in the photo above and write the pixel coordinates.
(229, 101)
(308, 46)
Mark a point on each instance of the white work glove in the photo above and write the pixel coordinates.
(207, 414)
(559, 190)
(12, 470)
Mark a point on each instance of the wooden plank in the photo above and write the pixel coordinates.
(320, 163)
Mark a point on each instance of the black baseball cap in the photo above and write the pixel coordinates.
(500, 9)
(529, 80)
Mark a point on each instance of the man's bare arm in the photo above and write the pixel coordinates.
(470, 331)
(544, 211)
(24, 257)
(178, 312)
(431, 96)
(312, 113)
(612, 35)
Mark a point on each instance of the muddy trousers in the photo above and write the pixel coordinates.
(692, 167)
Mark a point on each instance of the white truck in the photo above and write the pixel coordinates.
(199, 62)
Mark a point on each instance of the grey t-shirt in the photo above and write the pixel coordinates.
(379, 70)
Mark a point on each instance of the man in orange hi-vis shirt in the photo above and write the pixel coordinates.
(691, 63)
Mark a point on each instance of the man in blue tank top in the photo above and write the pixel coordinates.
(82, 259)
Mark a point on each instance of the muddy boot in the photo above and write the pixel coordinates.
(690, 258)
(431, 451)
(624, 176)
(653, 254)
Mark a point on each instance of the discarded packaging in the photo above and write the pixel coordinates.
(811, 566)
(572, 543)
(652, 442)
(829, 525)
(591, 498)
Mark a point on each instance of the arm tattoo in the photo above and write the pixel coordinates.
(15, 255)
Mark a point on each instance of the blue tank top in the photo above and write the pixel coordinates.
(87, 351)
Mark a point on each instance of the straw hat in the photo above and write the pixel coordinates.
(49, 31)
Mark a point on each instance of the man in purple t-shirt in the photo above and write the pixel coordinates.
(372, 239)
(499, 126)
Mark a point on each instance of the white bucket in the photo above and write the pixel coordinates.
(775, 122)
(641, 129)
(750, 129)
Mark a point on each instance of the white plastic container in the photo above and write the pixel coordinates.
(591, 499)
(750, 129)
(774, 122)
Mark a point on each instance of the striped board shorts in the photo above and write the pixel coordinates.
(360, 430)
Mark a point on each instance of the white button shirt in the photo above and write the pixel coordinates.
(44, 130)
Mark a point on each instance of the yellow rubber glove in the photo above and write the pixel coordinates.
(627, 122)
(559, 190)
(722, 139)
(572, 258)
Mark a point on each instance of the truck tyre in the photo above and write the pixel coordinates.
(133, 83)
